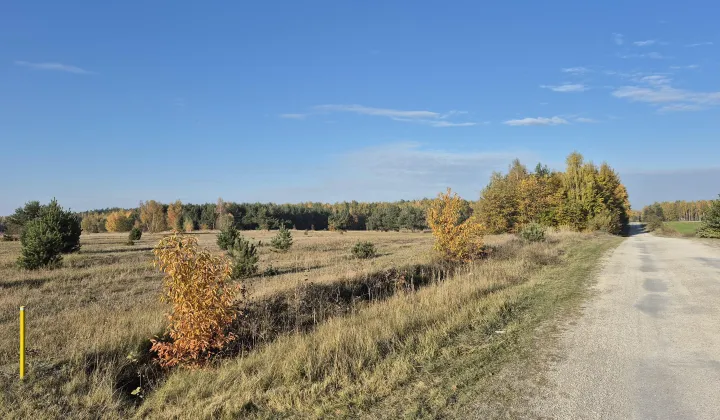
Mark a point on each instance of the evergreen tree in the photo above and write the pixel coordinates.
(283, 240)
(244, 258)
(339, 219)
(42, 244)
(53, 231)
(226, 238)
(710, 227)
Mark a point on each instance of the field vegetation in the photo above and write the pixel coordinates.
(373, 314)
(330, 323)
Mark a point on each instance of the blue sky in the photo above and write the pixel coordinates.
(109, 103)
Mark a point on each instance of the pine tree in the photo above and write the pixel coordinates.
(244, 258)
(42, 245)
(226, 237)
(283, 240)
(53, 231)
(710, 227)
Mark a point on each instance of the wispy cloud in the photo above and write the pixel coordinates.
(537, 121)
(689, 67)
(680, 107)
(382, 112)
(411, 170)
(433, 119)
(406, 170)
(566, 88)
(658, 91)
(618, 38)
(655, 79)
(645, 43)
(654, 55)
(586, 120)
(699, 44)
(294, 116)
(576, 70)
(53, 67)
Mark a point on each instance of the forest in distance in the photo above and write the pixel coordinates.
(584, 196)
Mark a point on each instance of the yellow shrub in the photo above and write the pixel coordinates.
(197, 286)
(455, 240)
(119, 221)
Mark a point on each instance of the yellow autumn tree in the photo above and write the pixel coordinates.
(174, 216)
(456, 240)
(119, 221)
(152, 216)
(197, 286)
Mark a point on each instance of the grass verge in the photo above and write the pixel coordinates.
(443, 351)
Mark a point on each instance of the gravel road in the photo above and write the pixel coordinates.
(648, 344)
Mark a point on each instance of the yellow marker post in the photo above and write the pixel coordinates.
(22, 342)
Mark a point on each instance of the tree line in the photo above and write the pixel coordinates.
(584, 197)
(153, 216)
(676, 211)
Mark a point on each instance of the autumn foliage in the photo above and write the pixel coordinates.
(456, 240)
(197, 285)
(119, 221)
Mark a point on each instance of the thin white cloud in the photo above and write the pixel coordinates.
(619, 39)
(53, 67)
(537, 121)
(383, 112)
(655, 80)
(294, 116)
(576, 70)
(680, 107)
(645, 43)
(689, 67)
(586, 120)
(433, 119)
(699, 44)
(566, 88)
(450, 124)
(411, 170)
(654, 55)
(658, 91)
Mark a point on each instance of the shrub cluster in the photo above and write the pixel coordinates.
(93, 223)
(134, 235)
(455, 240)
(363, 250)
(283, 240)
(203, 302)
(533, 232)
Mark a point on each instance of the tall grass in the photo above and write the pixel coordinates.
(331, 347)
(349, 364)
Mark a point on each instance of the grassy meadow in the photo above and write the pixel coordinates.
(682, 228)
(322, 334)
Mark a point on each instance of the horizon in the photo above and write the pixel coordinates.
(341, 102)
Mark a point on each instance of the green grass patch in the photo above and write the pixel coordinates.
(684, 228)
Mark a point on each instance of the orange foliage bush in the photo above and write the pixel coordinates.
(197, 285)
(119, 221)
(455, 240)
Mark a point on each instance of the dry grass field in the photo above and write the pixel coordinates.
(323, 334)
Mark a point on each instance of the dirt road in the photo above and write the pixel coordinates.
(648, 344)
